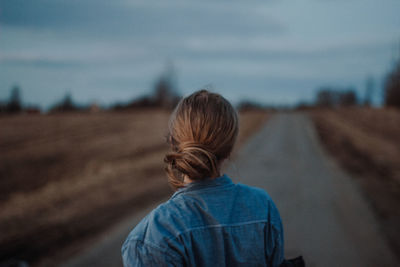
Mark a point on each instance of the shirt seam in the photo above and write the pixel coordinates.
(205, 189)
(154, 246)
(223, 225)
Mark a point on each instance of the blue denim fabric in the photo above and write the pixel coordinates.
(209, 223)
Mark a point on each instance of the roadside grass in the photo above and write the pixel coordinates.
(366, 142)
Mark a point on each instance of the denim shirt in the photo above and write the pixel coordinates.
(209, 223)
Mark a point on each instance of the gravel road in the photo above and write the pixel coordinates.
(325, 216)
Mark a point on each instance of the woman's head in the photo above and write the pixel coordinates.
(202, 132)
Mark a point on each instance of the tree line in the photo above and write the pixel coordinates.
(165, 95)
(333, 97)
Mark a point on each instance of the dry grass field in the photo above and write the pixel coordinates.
(366, 142)
(65, 178)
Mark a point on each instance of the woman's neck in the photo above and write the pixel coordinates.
(187, 180)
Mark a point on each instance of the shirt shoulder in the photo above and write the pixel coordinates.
(154, 226)
(152, 242)
(256, 192)
(160, 226)
(260, 204)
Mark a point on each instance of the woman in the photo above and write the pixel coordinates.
(209, 220)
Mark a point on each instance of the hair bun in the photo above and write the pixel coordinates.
(194, 160)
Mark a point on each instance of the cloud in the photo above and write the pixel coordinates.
(111, 18)
(275, 51)
(39, 62)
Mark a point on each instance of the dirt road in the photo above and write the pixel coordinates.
(326, 219)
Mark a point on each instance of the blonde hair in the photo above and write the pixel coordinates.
(202, 132)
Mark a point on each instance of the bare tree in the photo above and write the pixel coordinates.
(334, 97)
(392, 87)
(326, 97)
(165, 94)
(65, 105)
(348, 97)
(14, 105)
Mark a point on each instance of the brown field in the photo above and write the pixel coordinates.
(366, 142)
(68, 177)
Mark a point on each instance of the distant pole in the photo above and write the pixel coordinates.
(369, 90)
(398, 51)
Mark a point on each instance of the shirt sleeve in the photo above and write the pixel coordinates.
(136, 253)
(277, 256)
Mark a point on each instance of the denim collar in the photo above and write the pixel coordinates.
(205, 184)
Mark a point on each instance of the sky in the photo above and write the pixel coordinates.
(276, 52)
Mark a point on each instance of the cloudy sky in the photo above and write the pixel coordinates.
(272, 51)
